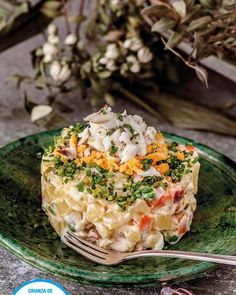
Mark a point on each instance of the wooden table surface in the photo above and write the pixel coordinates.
(15, 123)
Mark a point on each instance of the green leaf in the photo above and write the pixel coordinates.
(23, 7)
(175, 39)
(55, 120)
(156, 9)
(180, 7)
(104, 74)
(29, 105)
(85, 69)
(54, 5)
(207, 3)
(50, 12)
(163, 24)
(199, 23)
(113, 35)
(3, 12)
(77, 19)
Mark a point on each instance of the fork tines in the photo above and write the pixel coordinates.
(85, 248)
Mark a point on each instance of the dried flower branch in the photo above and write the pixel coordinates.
(212, 22)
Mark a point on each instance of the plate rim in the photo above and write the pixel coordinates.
(73, 272)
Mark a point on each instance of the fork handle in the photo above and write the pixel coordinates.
(216, 258)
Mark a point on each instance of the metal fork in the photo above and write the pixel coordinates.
(109, 257)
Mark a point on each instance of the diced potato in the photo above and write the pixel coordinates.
(114, 220)
(133, 236)
(122, 245)
(62, 208)
(140, 207)
(154, 241)
(94, 212)
(102, 230)
(162, 221)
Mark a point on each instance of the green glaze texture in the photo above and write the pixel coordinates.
(26, 232)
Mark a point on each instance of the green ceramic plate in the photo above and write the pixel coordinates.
(24, 229)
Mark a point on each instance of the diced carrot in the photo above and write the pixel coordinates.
(73, 140)
(98, 155)
(159, 136)
(180, 155)
(190, 148)
(145, 222)
(81, 148)
(149, 148)
(163, 168)
(160, 202)
(183, 228)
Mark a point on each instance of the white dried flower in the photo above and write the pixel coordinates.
(55, 70)
(53, 39)
(49, 49)
(110, 65)
(112, 51)
(136, 44)
(52, 29)
(134, 65)
(115, 2)
(133, 44)
(71, 40)
(103, 60)
(145, 55)
(40, 112)
(47, 58)
(65, 73)
(131, 59)
(135, 68)
(127, 43)
(109, 99)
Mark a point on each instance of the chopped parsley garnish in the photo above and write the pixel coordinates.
(78, 128)
(195, 160)
(113, 149)
(80, 186)
(48, 150)
(120, 117)
(129, 128)
(173, 146)
(72, 226)
(187, 171)
(110, 132)
(51, 209)
(163, 185)
(103, 111)
(146, 163)
(88, 172)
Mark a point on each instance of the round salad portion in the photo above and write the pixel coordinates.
(116, 182)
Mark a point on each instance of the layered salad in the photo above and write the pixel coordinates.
(116, 182)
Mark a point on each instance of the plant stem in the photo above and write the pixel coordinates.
(80, 13)
(66, 16)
